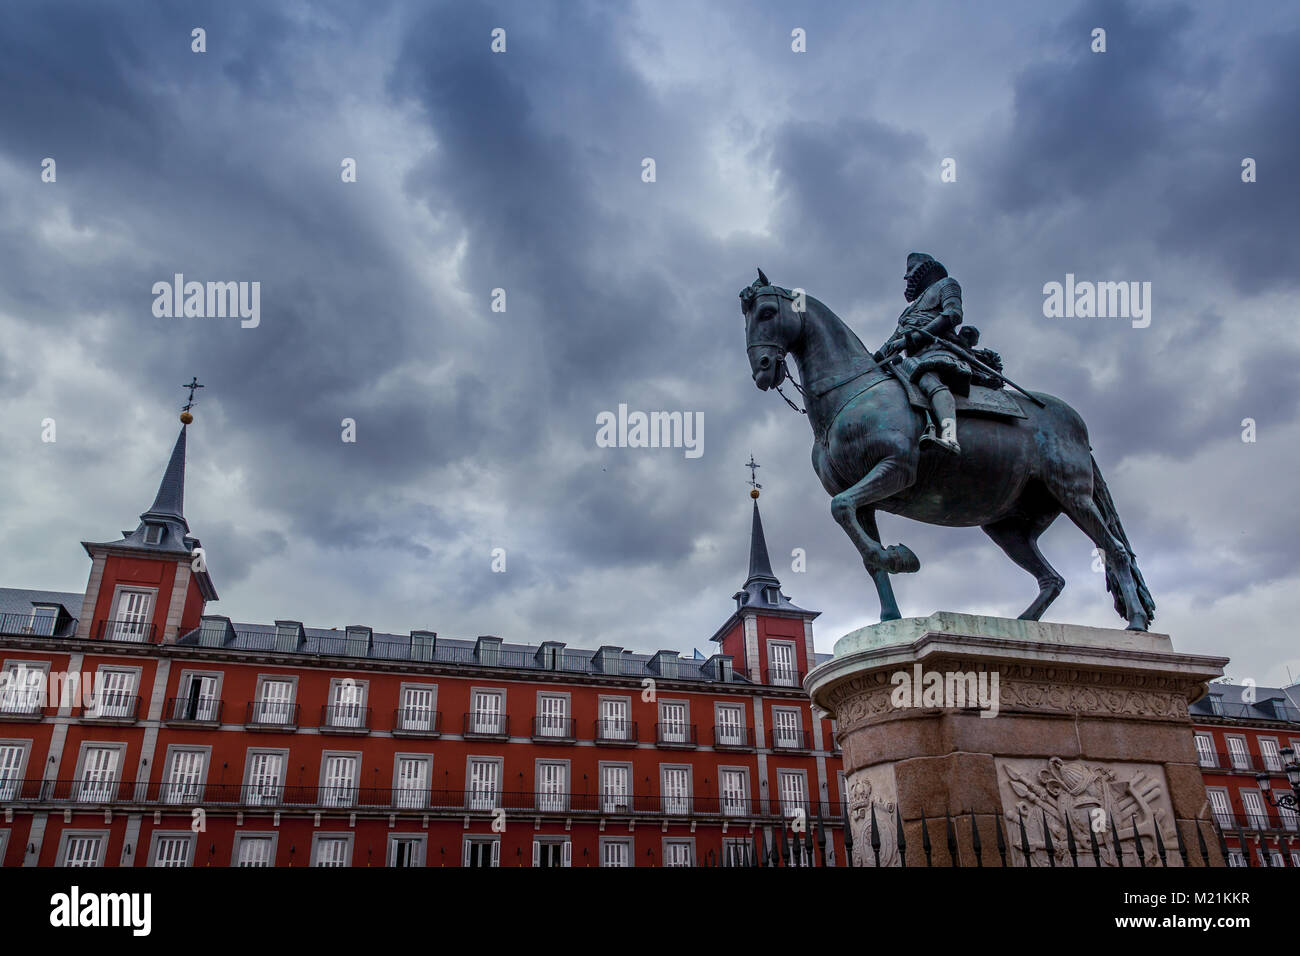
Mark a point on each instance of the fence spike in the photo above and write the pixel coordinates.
(975, 840)
(1160, 842)
(952, 839)
(1047, 841)
(1024, 839)
(1069, 840)
(1245, 851)
(1002, 839)
(875, 835)
(848, 837)
(925, 838)
(1114, 839)
(1200, 840)
(902, 837)
(1092, 839)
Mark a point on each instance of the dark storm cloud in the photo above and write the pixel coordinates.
(476, 429)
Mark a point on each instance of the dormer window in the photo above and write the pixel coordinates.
(771, 595)
(153, 534)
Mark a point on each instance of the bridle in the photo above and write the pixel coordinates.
(785, 368)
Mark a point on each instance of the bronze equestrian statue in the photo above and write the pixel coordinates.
(1023, 457)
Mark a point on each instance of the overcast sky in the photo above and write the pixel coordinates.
(523, 171)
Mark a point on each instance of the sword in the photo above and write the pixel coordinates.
(945, 343)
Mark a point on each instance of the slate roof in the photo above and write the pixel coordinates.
(20, 600)
(1227, 702)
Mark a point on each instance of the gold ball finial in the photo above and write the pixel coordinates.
(186, 418)
(754, 493)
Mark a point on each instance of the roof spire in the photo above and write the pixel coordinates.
(170, 500)
(760, 565)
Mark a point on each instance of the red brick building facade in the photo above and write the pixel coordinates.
(138, 729)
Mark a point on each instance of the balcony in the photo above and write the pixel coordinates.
(487, 725)
(789, 741)
(21, 704)
(271, 715)
(126, 632)
(417, 722)
(731, 737)
(101, 792)
(111, 709)
(555, 730)
(26, 624)
(783, 677)
(616, 733)
(193, 711)
(675, 736)
(345, 719)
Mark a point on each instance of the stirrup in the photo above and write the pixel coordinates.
(930, 437)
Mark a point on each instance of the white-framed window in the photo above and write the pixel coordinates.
(274, 702)
(83, 850)
(1272, 756)
(114, 694)
(98, 774)
(552, 786)
(43, 619)
(185, 777)
(1219, 805)
(265, 777)
(734, 789)
(735, 851)
(781, 661)
(332, 851)
(614, 722)
(792, 787)
(679, 853)
(1295, 858)
(417, 709)
(406, 851)
(552, 853)
(481, 851)
(153, 534)
(731, 725)
(172, 850)
(616, 788)
(1253, 804)
(552, 715)
(347, 703)
(487, 716)
(1236, 858)
(4, 845)
(484, 783)
(133, 615)
(1237, 751)
(411, 785)
(22, 687)
(786, 727)
(615, 852)
(1205, 750)
(13, 757)
(339, 780)
(673, 721)
(254, 850)
(197, 699)
(676, 788)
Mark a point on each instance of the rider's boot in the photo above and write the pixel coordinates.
(945, 413)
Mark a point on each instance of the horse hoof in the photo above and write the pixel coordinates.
(1137, 623)
(902, 560)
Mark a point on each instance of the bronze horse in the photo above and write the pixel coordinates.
(1013, 478)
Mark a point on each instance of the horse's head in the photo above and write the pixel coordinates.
(772, 327)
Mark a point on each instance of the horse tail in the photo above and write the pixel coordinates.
(1101, 498)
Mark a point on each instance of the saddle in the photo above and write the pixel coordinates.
(982, 400)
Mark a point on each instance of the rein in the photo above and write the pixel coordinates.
(797, 387)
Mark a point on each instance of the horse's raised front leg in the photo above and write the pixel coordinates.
(884, 588)
(888, 477)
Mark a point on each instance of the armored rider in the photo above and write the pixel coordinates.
(935, 307)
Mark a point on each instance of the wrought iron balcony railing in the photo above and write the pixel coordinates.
(126, 632)
(676, 735)
(487, 725)
(417, 722)
(110, 707)
(345, 719)
(101, 791)
(616, 732)
(193, 710)
(783, 677)
(732, 737)
(26, 624)
(787, 739)
(559, 730)
(271, 715)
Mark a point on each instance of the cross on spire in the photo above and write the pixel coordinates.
(753, 467)
(193, 384)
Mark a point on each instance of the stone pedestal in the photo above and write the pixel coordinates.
(981, 719)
